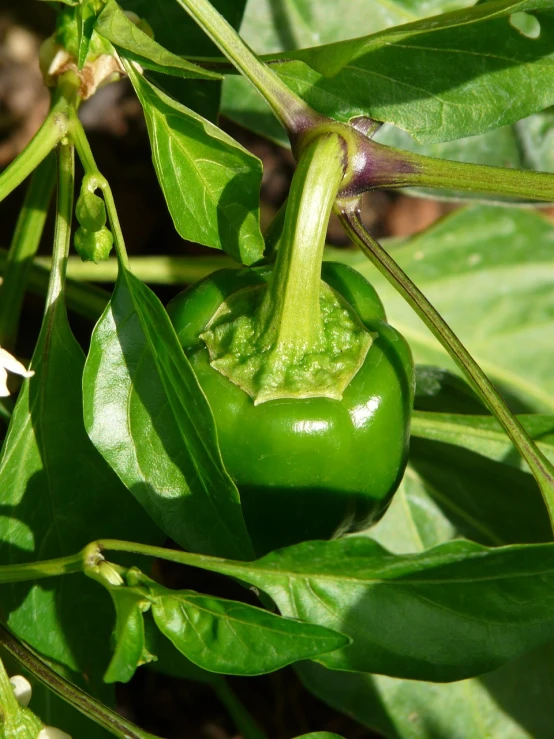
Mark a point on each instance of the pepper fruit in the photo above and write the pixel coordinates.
(310, 388)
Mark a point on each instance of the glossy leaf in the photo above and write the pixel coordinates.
(483, 434)
(176, 31)
(211, 184)
(438, 81)
(495, 705)
(489, 271)
(58, 494)
(146, 414)
(130, 642)
(492, 705)
(136, 45)
(272, 27)
(236, 639)
(354, 586)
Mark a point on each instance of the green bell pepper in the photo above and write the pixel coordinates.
(310, 388)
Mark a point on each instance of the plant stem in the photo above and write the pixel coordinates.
(79, 138)
(64, 217)
(47, 137)
(39, 570)
(87, 300)
(92, 708)
(541, 468)
(24, 245)
(290, 311)
(244, 722)
(381, 166)
(290, 109)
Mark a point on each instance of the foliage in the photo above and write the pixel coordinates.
(437, 621)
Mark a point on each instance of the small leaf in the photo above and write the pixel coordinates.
(85, 17)
(233, 638)
(130, 643)
(135, 45)
(401, 612)
(147, 415)
(211, 184)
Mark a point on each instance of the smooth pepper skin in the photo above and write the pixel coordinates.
(311, 468)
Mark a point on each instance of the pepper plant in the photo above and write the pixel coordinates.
(261, 423)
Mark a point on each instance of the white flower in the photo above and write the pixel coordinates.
(10, 364)
(49, 732)
(21, 689)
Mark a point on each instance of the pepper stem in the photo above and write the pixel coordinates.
(290, 312)
(296, 338)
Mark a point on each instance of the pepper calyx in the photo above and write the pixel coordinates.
(267, 370)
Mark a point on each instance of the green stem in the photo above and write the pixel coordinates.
(244, 722)
(79, 138)
(92, 708)
(64, 217)
(39, 570)
(23, 248)
(290, 109)
(87, 300)
(539, 465)
(381, 166)
(46, 139)
(290, 312)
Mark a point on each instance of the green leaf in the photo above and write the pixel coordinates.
(85, 17)
(134, 44)
(130, 642)
(273, 27)
(514, 702)
(483, 434)
(58, 494)
(147, 415)
(438, 81)
(176, 31)
(320, 735)
(354, 586)
(493, 705)
(489, 272)
(211, 184)
(440, 390)
(233, 638)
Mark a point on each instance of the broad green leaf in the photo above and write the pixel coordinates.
(484, 435)
(494, 705)
(211, 184)
(354, 586)
(135, 45)
(320, 735)
(130, 642)
(234, 638)
(58, 494)
(271, 27)
(439, 81)
(489, 271)
(146, 414)
(514, 702)
(175, 30)
(440, 390)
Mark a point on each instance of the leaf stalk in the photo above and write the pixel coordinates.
(542, 469)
